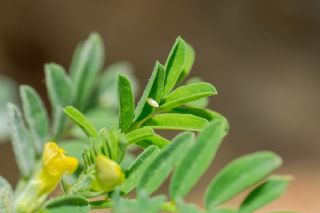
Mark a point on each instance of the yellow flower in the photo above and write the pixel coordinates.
(108, 174)
(55, 164)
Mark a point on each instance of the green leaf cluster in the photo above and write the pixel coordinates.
(104, 119)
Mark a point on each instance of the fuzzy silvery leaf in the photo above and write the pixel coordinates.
(8, 93)
(87, 62)
(36, 117)
(60, 94)
(6, 196)
(23, 147)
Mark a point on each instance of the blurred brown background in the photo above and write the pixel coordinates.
(263, 57)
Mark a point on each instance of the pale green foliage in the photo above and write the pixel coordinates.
(113, 124)
(6, 196)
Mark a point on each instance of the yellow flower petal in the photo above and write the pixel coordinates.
(55, 162)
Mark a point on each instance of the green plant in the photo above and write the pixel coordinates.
(102, 153)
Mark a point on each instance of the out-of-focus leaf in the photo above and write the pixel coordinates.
(8, 94)
(6, 196)
(107, 89)
(223, 210)
(60, 94)
(139, 134)
(178, 64)
(103, 118)
(239, 175)
(265, 193)
(23, 147)
(138, 167)
(198, 158)
(36, 117)
(87, 62)
(74, 148)
(86, 126)
(183, 207)
(160, 168)
(187, 93)
(175, 121)
(153, 90)
(126, 102)
(67, 204)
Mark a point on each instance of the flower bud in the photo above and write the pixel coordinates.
(108, 174)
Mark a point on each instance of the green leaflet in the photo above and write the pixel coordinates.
(126, 102)
(6, 196)
(187, 93)
(156, 140)
(87, 62)
(203, 113)
(200, 103)
(183, 207)
(178, 64)
(198, 158)
(239, 175)
(67, 204)
(160, 168)
(138, 167)
(143, 203)
(153, 90)
(36, 116)
(86, 126)
(60, 94)
(175, 121)
(265, 193)
(139, 134)
(21, 142)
